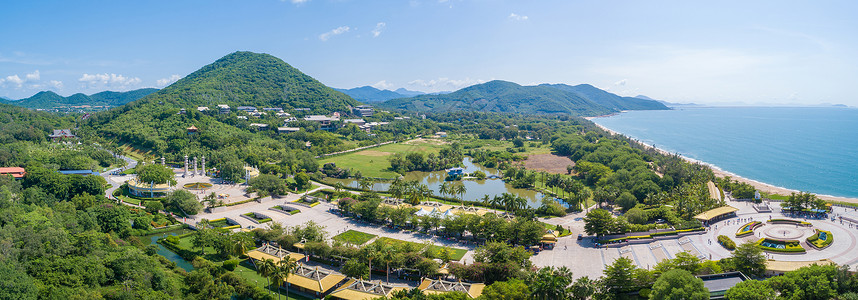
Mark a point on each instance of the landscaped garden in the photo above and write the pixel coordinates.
(726, 242)
(748, 228)
(821, 239)
(789, 221)
(772, 245)
(435, 251)
(354, 237)
(259, 219)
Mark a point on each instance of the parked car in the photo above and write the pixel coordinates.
(580, 236)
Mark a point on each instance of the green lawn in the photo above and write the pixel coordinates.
(245, 270)
(354, 237)
(373, 162)
(455, 253)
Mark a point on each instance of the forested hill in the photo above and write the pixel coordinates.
(609, 100)
(242, 78)
(51, 100)
(253, 79)
(509, 97)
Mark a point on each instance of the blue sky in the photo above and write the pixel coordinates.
(680, 51)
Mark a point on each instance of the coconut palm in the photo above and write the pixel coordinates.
(460, 190)
(241, 241)
(365, 183)
(282, 271)
(370, 252)
(387, 255)
(446, 188)
(265, 268)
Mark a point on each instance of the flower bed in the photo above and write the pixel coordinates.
(788, 221)
(253, 216)
(748, 228)
(821, 239)
(726, 242)
(789, 246)
(649, 236)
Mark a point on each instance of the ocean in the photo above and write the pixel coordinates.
(807, 149)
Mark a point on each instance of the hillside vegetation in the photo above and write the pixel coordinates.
(509, 97)
(51, 100)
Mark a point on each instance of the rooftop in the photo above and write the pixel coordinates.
(715, 212)
(430, 286)
(315, 279)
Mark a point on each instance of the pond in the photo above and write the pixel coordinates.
(170, 255)
(475, 188)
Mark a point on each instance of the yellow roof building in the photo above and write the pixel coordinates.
(273, 253)
(314, 280)
(715, 213)
(432, 286)
(775, 267)
(364, 290)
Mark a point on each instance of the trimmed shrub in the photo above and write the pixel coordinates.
(230, 264)
(726, 242)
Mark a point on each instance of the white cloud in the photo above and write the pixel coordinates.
(336, 31)
(516, 17)
(621, 82)
(382, 85)
(108, 80)
(56, 84)
(169, 80)
(33, 76)
(14, 79)
(297, 1)
(378, 27)
(443, 84)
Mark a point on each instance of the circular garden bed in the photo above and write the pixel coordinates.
(197, 186)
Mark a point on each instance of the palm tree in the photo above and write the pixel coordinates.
(388, 255)
(282, 271)
(486, 200)
(265, 268)
(371, 252)
(460, 190)
(446, 188)
(240, 242)
(338, 187)
(365, 183)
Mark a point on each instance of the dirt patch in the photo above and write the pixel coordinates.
(374, 153)
(548, 162)
(418, 141)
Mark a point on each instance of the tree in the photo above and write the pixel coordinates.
(512, 289)
(751, 290)
(282, 271)
(302, 180)
(231, 170)
(550, 283)
(184, 201)
(749, 259)
(636, 216)
(679, 284)
(156, 173)
(271, 184)
(365, 183)
(626, 201)
(266, 268)
(583, 288)
(355, 268)
(623, 277)
(598, 222)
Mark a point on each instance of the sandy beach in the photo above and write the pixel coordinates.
(761, 186)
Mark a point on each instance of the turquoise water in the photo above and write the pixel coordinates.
(807, 149)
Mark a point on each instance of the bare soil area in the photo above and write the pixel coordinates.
(548, 162)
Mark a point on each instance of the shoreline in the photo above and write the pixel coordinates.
(761, 186)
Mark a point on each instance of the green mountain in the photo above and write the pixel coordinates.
(607, 99)
(51, 100)
(371, 94)
(241, 78)
(504, 96)
(253, 79)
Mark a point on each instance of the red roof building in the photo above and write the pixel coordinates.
(16, 172)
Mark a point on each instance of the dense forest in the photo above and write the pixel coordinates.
(50, 100)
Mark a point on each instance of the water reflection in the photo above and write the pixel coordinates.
(170, 255)
(476, 189)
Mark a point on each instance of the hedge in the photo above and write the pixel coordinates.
(791, 246)
(814, 240)
(750, 228)
(726, 242)
(638, 237)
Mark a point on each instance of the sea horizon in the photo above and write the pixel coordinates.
(778, 123)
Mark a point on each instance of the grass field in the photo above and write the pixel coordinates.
(354, 237)
(373, 162)
(455, 253)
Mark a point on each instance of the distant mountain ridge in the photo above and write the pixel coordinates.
(509, 97)
(51, 100)
(372, 94)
